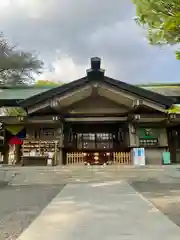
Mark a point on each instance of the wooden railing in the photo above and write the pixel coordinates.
(123, 158)
(75, 158)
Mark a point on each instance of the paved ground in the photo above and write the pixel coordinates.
(31, 189)
(108, 211)
(19, 205)
(165, 196)
(59, 175)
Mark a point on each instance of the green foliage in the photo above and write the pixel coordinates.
(14, 111)
(162, 18)
(17, 67)
(47, 83)
(178, 55)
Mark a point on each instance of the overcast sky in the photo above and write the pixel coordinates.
(67, 33)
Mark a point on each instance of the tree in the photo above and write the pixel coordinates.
(14, 111)
(162, 18)
(47, 83)
(17, 67)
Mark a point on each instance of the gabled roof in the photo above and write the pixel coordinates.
(10, 95)
(22, 92)
(96, 74)
(166, 89)
(141, 92)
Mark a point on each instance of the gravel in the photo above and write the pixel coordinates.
(20, 205)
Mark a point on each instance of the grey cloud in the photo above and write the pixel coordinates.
(81, 29)
(62, 22)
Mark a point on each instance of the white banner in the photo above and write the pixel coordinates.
(139, 156)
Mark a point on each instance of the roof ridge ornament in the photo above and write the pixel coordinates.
(95, 72)
(95, 63)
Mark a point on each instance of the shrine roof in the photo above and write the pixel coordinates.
(160, 92)
(96, 75)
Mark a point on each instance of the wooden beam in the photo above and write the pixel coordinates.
(96, 119)
(10, 102)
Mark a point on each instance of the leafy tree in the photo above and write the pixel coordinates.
(47, 83)
(14, 111)
(162, 18)
(17, 67)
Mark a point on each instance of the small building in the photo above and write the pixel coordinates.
(94, 119)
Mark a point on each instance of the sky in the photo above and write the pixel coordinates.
(67, 33)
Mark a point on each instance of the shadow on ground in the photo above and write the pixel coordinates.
(165, 196)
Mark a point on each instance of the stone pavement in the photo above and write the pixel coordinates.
(71, 174)
(109, 211)
(20, 205)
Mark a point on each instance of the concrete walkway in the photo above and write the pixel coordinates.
(106, 211)
(85, 174)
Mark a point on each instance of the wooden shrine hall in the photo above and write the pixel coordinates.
(93, 120)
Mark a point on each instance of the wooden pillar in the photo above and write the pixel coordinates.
(60, 157)
(64, 162)
(133, 137)
(6, 153)
(5, 148)
(65, 134)
(61, 146)
(17, 154)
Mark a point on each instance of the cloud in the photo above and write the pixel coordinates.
(64, 69)
(66, 33)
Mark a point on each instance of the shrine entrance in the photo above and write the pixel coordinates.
(96, 143)
(98, 158)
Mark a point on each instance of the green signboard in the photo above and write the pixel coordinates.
(148, 133)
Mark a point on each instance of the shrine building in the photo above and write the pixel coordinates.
(95, 119)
